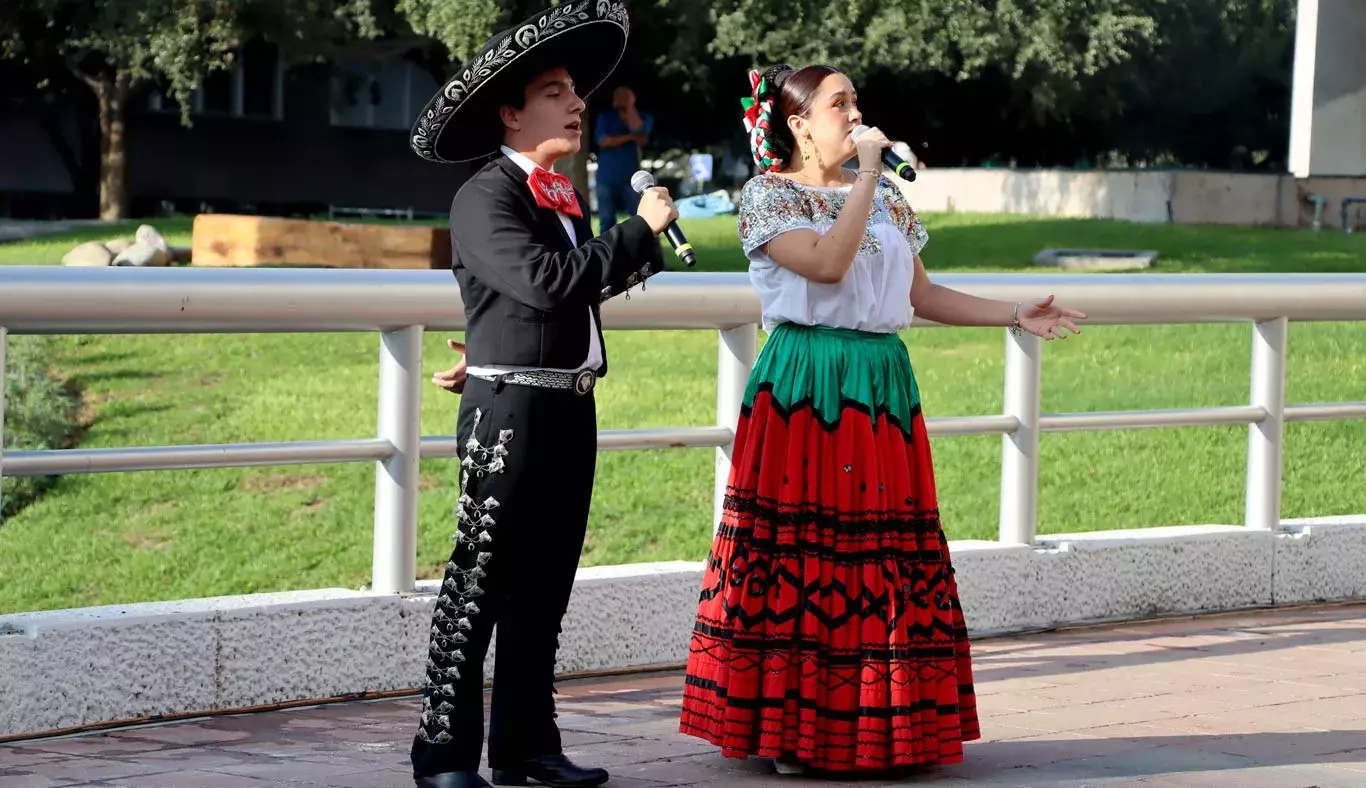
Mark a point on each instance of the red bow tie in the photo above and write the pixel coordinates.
(555, 191)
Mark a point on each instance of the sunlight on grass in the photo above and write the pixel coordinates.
(107, 538)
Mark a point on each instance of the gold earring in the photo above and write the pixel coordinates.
(815, 151)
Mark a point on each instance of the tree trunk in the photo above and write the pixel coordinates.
(112, 94)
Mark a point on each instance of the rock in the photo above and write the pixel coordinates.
(90, 254)
(117, 245)
(1096, 259)
(148, 236)
(143, 255)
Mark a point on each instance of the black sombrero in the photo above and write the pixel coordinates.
(587, 37)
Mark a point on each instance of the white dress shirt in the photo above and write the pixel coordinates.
(594, 358)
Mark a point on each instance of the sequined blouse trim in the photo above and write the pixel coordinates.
(771, 204)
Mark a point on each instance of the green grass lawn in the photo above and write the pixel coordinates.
(113, 538)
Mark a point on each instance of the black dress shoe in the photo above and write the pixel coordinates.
(453, 780)
(555, 771)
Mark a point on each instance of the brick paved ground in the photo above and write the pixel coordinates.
(1259, 700)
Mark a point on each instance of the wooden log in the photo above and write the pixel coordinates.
(227, 240)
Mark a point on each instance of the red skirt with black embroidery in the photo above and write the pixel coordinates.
(829, 630)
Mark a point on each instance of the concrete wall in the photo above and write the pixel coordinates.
(1328, 100)
(1181, 197)
(70, 668)
(1137, 196)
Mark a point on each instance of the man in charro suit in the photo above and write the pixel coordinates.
(531, 277)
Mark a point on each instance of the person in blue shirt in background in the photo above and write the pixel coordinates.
(620, 132)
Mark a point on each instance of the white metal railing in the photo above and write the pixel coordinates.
(401, 305)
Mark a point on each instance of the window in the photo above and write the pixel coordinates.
(379, 95)
(252, 87)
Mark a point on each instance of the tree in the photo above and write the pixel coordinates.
(1047, 82)
(959, 38)
(113, 44)
(1213, 86)
(917, 62)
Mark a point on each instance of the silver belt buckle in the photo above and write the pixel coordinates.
(584, 381)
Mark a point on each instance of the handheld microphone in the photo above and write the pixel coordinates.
(643, 180)
(898, 165)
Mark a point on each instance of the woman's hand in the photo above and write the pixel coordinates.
(1046, 319)
(870, 147)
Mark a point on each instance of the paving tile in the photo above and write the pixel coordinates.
(293, 768)
(1098, 692)
(20, 778)
(81, 769)
(570, 737)
(385, 778)
(1085, 716)
(993, 730)
(1015, 702)
(94, 746)
(195, 779)
(280, 748)
(186, 734)
(185, 758)
(641, 750)
(15, 755)
(1354, 762)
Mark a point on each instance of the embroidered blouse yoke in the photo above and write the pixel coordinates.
(875, 294)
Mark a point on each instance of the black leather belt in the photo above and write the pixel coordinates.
(580, 382)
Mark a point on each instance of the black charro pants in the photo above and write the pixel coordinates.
(528, 456)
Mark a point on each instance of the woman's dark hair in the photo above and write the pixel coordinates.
(793, 92)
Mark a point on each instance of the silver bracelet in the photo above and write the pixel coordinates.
(1015, 320)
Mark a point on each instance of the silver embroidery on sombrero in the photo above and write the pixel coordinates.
(509, 48)
(456, 605)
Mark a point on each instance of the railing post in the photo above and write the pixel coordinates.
(1020, 450)
(1263, 502)
(4, 340)
(396, 479)
(735, 354)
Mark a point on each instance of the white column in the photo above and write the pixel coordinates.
(736, 350)
(1020, 450)
(1263, 502)
(396, 479)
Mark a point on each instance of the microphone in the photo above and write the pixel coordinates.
(643, 180)
(898, 165)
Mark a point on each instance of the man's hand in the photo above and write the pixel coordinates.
(657, 208)
(453, 379)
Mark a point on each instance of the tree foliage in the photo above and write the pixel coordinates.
(175, 41)
(1041, 82)
(461, 26)
(957, 38)
(1201, 82)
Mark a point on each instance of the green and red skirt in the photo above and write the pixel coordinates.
(829, 630)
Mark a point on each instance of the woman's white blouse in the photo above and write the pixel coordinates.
(875, 294)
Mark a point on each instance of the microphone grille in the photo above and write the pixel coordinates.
(859, 131)
(641, 181)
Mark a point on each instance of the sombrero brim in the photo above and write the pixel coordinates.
(460, 122)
